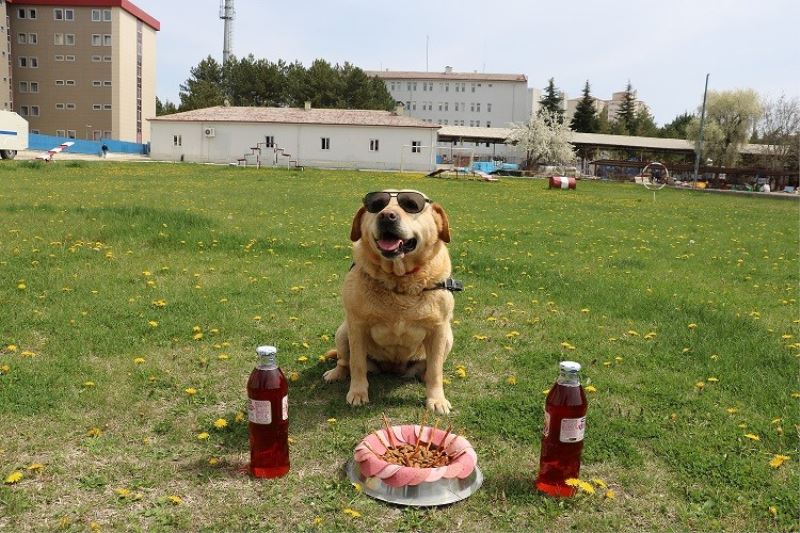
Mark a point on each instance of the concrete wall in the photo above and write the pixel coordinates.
(349, 145)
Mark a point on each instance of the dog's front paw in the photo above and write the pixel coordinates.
(357, 397)
(336, 373)
(440, 406)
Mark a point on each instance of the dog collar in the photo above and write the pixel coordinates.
(450, 284)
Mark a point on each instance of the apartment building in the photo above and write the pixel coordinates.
(5, 72)
(469, 99)
(83, 68)
(612, 106)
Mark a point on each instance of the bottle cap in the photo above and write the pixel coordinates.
(569, 366)
(263, 351)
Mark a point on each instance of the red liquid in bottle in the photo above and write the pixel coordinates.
(268, 415)
(562, 442)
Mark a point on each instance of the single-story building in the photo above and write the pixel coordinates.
(272, 136)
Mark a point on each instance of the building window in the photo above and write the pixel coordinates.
(107, 107)
(392, 86)
(177, 140)
(472, 106)
(63, 14)
(97, 83)
(472, 87)
(106, 135)
(97, 39)
(326, 143)
(488, 124)
(446, 87)
(106, 59)
(59, 58)
(70, 82)
(59, 82)
(23, 62)
(70, 58)
(60, 106)
(96, 15)
(446, 105)
(71, 134)
(373, 145)
(23, 86)
(97, 59)
(34, 62)
(269, 140)
(106, 40)
(23, 110)
(60, 133)
(416, 147)
(34, 86)
(97, 107)
(21, 14)
(489, 107)
(22, 38)
(69, 39)
(71, 107)
(478, 107)
(106, 83)
(58, 39)
(34, 110)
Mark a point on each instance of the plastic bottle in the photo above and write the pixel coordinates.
(564, 427)
(268, 416)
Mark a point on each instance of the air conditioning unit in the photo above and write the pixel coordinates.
(209, 132)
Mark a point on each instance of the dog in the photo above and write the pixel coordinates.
(397, 296)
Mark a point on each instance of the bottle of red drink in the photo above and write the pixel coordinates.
(268, 416)
(564, 426)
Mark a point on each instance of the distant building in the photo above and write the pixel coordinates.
(272, 136)
(82, 68)
(469, 99)
(612, 105)
(6, 98)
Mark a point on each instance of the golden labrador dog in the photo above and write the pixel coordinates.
(397, 297)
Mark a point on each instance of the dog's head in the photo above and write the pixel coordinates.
(396, 224)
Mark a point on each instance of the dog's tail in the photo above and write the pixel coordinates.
(332, 354)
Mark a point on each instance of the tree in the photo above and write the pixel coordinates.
(603, 126)
(165, 108)
(730, 119)
(552, 103)
(677, 128)
(585, 118)
(780, 132)
(626, 114)
(645, 123)
(205, 86)
(544, 140)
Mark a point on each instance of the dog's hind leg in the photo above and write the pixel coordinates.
(342, 368)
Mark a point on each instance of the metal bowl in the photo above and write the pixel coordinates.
(427, 494)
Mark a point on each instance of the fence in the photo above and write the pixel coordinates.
(38, 141)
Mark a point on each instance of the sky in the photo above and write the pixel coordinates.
(664, 48)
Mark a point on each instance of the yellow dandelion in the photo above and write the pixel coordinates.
(512, 334)
(94, 432)
(633, 333)
(796, 395)
(197, 336)
(257, 318)
(4, 369)
(35, 467)
(175, 500)
(11, 348)
(152, 323)
(202, 435)
(712, 379)
(357, 487)
(609, 494)
(239, 417)
(302, 359)
(692, 326)
(773, 510)
(294, 376)
(585, 311)
(700, 385)
(572, 482)
(331, 421)
(567, 346)
(461, 371)
(352, 513)
(322, 358)
(139, 361)
(122, 492)
(732, 410)
(94, 526)
(88, 384)
(27, 353)
(160, 303)
(606, 363)
(213, 461)
(585, 487)
(600, 483)
(686, 350)
(511, 380)
(21, 286)
(590, 388)
(191, 391)
(290, 440)
(650, 335)
(480, 337)
(14, 477)
(778, 460)
(546, 391)
(223, 357)
(220, 423)
(317, 521)
(752, 436)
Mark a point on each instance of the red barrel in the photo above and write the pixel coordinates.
(561, 182)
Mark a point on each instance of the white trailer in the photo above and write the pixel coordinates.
(13, 134)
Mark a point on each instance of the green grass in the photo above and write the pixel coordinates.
(255, 257)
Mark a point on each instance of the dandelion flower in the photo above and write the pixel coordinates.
(353, 513)
(633, 333)
(239, 417)
(692, 326)
(585, 311)
(609, 494)
(294, 376)
(152, 323)
(586, 487)
(572, 482)
(731, 410)
(191, 391)
(590, 388)
(773, 510)
(302, 359)
(175, 500)
(461, 372)
(331, 421)
(27, 353)
(197, 336)
(122, 492)
(512, 334)
(752, 436)
(712, 379)
(220, 423)
(4, 369)
(223, 357)
(139, 360)
(700, 385)
(213, 461)
(511, 380)
(94, 432)
(12, 348)
(202, 435)
(546, 391)
(357, 487)
(778, 460)
(13, 477)
(600, 483)
(34, 467)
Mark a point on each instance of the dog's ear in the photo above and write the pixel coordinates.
(442, 224)
(355, 231)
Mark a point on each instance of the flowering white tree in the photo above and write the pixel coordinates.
(544, 139)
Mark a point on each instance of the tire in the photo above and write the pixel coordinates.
(8, 154)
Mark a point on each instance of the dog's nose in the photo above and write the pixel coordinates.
(390, 216)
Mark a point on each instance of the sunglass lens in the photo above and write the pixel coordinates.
(411, 202)
(374, 202)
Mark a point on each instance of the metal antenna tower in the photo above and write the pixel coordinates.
(226, 13)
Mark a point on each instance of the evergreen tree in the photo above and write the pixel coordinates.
(165, 108)
(585, 119)
(551, 105)
(626, 114)
(603, 126)
(677, 128)
(204, 88)
(645, 123)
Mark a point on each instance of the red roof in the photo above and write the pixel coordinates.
(130, 7)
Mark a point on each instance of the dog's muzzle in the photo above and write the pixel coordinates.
(390, 240)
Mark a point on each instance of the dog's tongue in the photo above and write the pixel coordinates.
(390, 245)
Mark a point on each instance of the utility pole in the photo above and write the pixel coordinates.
(699, 148)
(226, 13)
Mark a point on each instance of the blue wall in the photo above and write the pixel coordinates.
(82, 146)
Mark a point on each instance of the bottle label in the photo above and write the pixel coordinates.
(572, 429)
(285, 407)
(259, 412)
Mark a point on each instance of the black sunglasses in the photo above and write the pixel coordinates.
(409, 201)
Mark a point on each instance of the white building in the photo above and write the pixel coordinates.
(611, 106)
(270, 136)
(467, 99)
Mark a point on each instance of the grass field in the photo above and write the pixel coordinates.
(134, 295)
